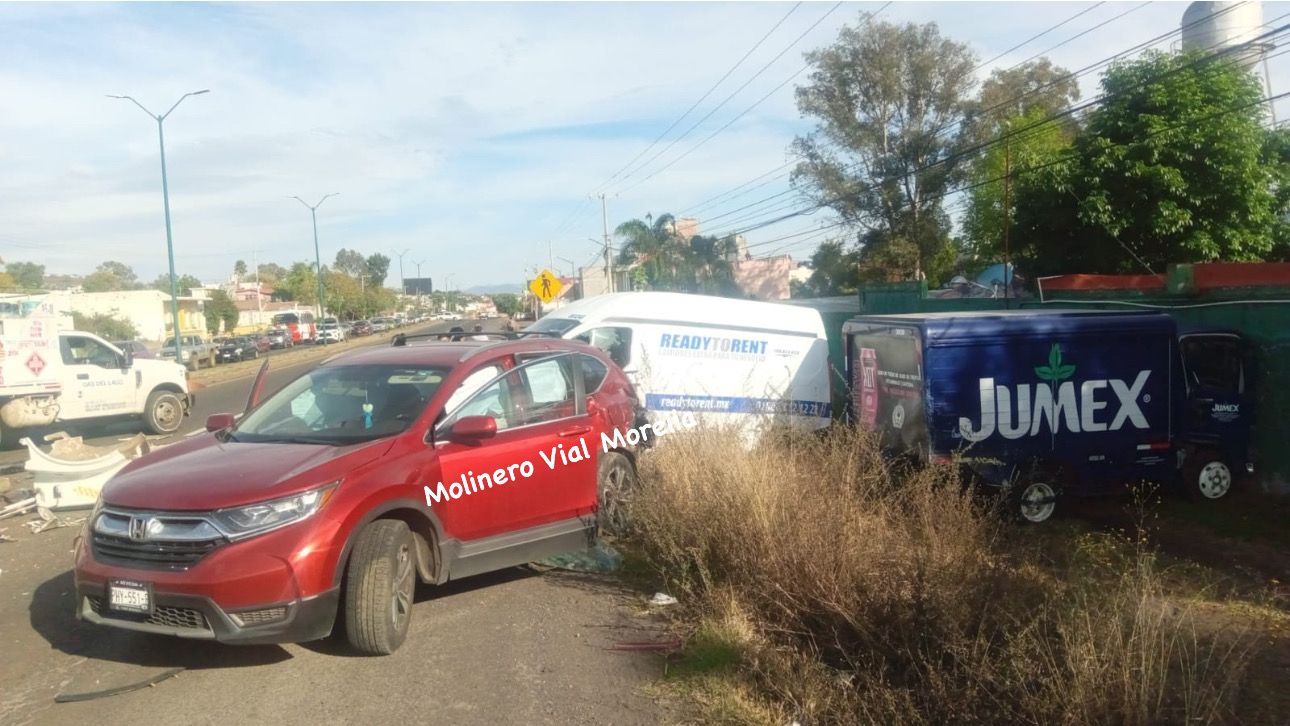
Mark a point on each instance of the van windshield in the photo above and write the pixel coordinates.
(553, 326)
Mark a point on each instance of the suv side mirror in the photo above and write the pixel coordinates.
(127, 360)
(473, 428)
(220, 421)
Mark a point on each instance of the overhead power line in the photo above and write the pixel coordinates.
(702, 98)
(728, 98)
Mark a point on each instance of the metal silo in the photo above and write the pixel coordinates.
(1225, 26)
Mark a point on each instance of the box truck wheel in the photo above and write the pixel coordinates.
(1207, 475)
(615, 485)
(1033, 500)
(164, 412)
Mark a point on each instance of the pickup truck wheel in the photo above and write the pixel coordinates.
(615, 486)
(1207, 475)
(381, 580)
(164, 412)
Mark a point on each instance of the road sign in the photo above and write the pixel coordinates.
(546, 286)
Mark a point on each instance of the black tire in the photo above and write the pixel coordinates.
(164, 412)
(1207, 476)
(381, 579)
(615, 490)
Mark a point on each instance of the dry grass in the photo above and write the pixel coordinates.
(835, 587)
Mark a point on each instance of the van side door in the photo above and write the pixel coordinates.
(1217, 409)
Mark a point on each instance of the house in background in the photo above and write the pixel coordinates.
(147, 310)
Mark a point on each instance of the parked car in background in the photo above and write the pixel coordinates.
(361, 328)
(330, 333)
(380, 325)
(134, 348)
(279, 338)
(237, 348)
(194, 351)
(261, 343)
(257, 531)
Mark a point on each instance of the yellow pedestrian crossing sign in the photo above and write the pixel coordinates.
(546, 286)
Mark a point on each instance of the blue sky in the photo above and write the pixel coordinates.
(469, 134)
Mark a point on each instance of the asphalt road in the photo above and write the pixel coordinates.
(517, 646)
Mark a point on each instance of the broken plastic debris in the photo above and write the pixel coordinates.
(662, 598)
(599, 558)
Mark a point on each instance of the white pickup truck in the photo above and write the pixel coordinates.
(49, 376)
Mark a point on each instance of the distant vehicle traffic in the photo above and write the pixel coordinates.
(238, 348)
(194, 351)
(279, 338)
(330, 332)
(361, 328)
(299, 323)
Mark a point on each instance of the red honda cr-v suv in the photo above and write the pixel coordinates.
(434, 460)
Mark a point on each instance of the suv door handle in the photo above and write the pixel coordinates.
(576, 431)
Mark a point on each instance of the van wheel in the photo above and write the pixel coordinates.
(381, 579)
(164, 412)
(1207, 475)
(615, 487)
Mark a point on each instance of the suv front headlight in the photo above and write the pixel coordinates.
(261, 517)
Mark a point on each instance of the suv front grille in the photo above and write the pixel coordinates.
(165, 616)
(123, 550)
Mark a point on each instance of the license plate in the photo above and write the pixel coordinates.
(129, 596)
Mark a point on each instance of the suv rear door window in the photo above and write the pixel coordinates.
(593, 373)
(549, 384)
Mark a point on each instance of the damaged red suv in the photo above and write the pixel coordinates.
(434, 461)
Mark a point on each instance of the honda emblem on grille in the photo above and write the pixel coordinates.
(139, 527)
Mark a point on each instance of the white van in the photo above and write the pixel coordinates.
(727, 361)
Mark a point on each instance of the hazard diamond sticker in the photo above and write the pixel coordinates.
(35, 364)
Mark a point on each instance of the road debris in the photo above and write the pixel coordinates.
(71, 474)
(147, 683)
(662, 599)
(49, 520)
(17, 508)
(599, 558)
(647, 646)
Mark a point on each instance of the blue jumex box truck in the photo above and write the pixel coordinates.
(1052, 403)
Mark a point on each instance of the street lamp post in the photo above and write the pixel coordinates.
(165, 201)
(313, 215)
(573, 266)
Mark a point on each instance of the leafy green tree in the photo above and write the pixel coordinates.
(184, 283)
(1171, 168)
(884, 98)
(26, 275)
(378, 268)
(105, 325)
(1037, 89)
(985, 215)
(508, 303)
(239, 269)
(351, 263)
(220, 309)
(271, 272)
(111, 276)
(835, 271)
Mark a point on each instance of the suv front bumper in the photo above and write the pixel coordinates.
(194, 616)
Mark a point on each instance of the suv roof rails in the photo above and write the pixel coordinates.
(402, 339)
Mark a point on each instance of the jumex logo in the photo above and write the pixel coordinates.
(1058, 401)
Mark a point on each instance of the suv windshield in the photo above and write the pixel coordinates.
(342, 405)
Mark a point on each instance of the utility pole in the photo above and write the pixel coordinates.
(165, 200)
(1007, 217)
(609, 269)
(403, 288)
(313, 215)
